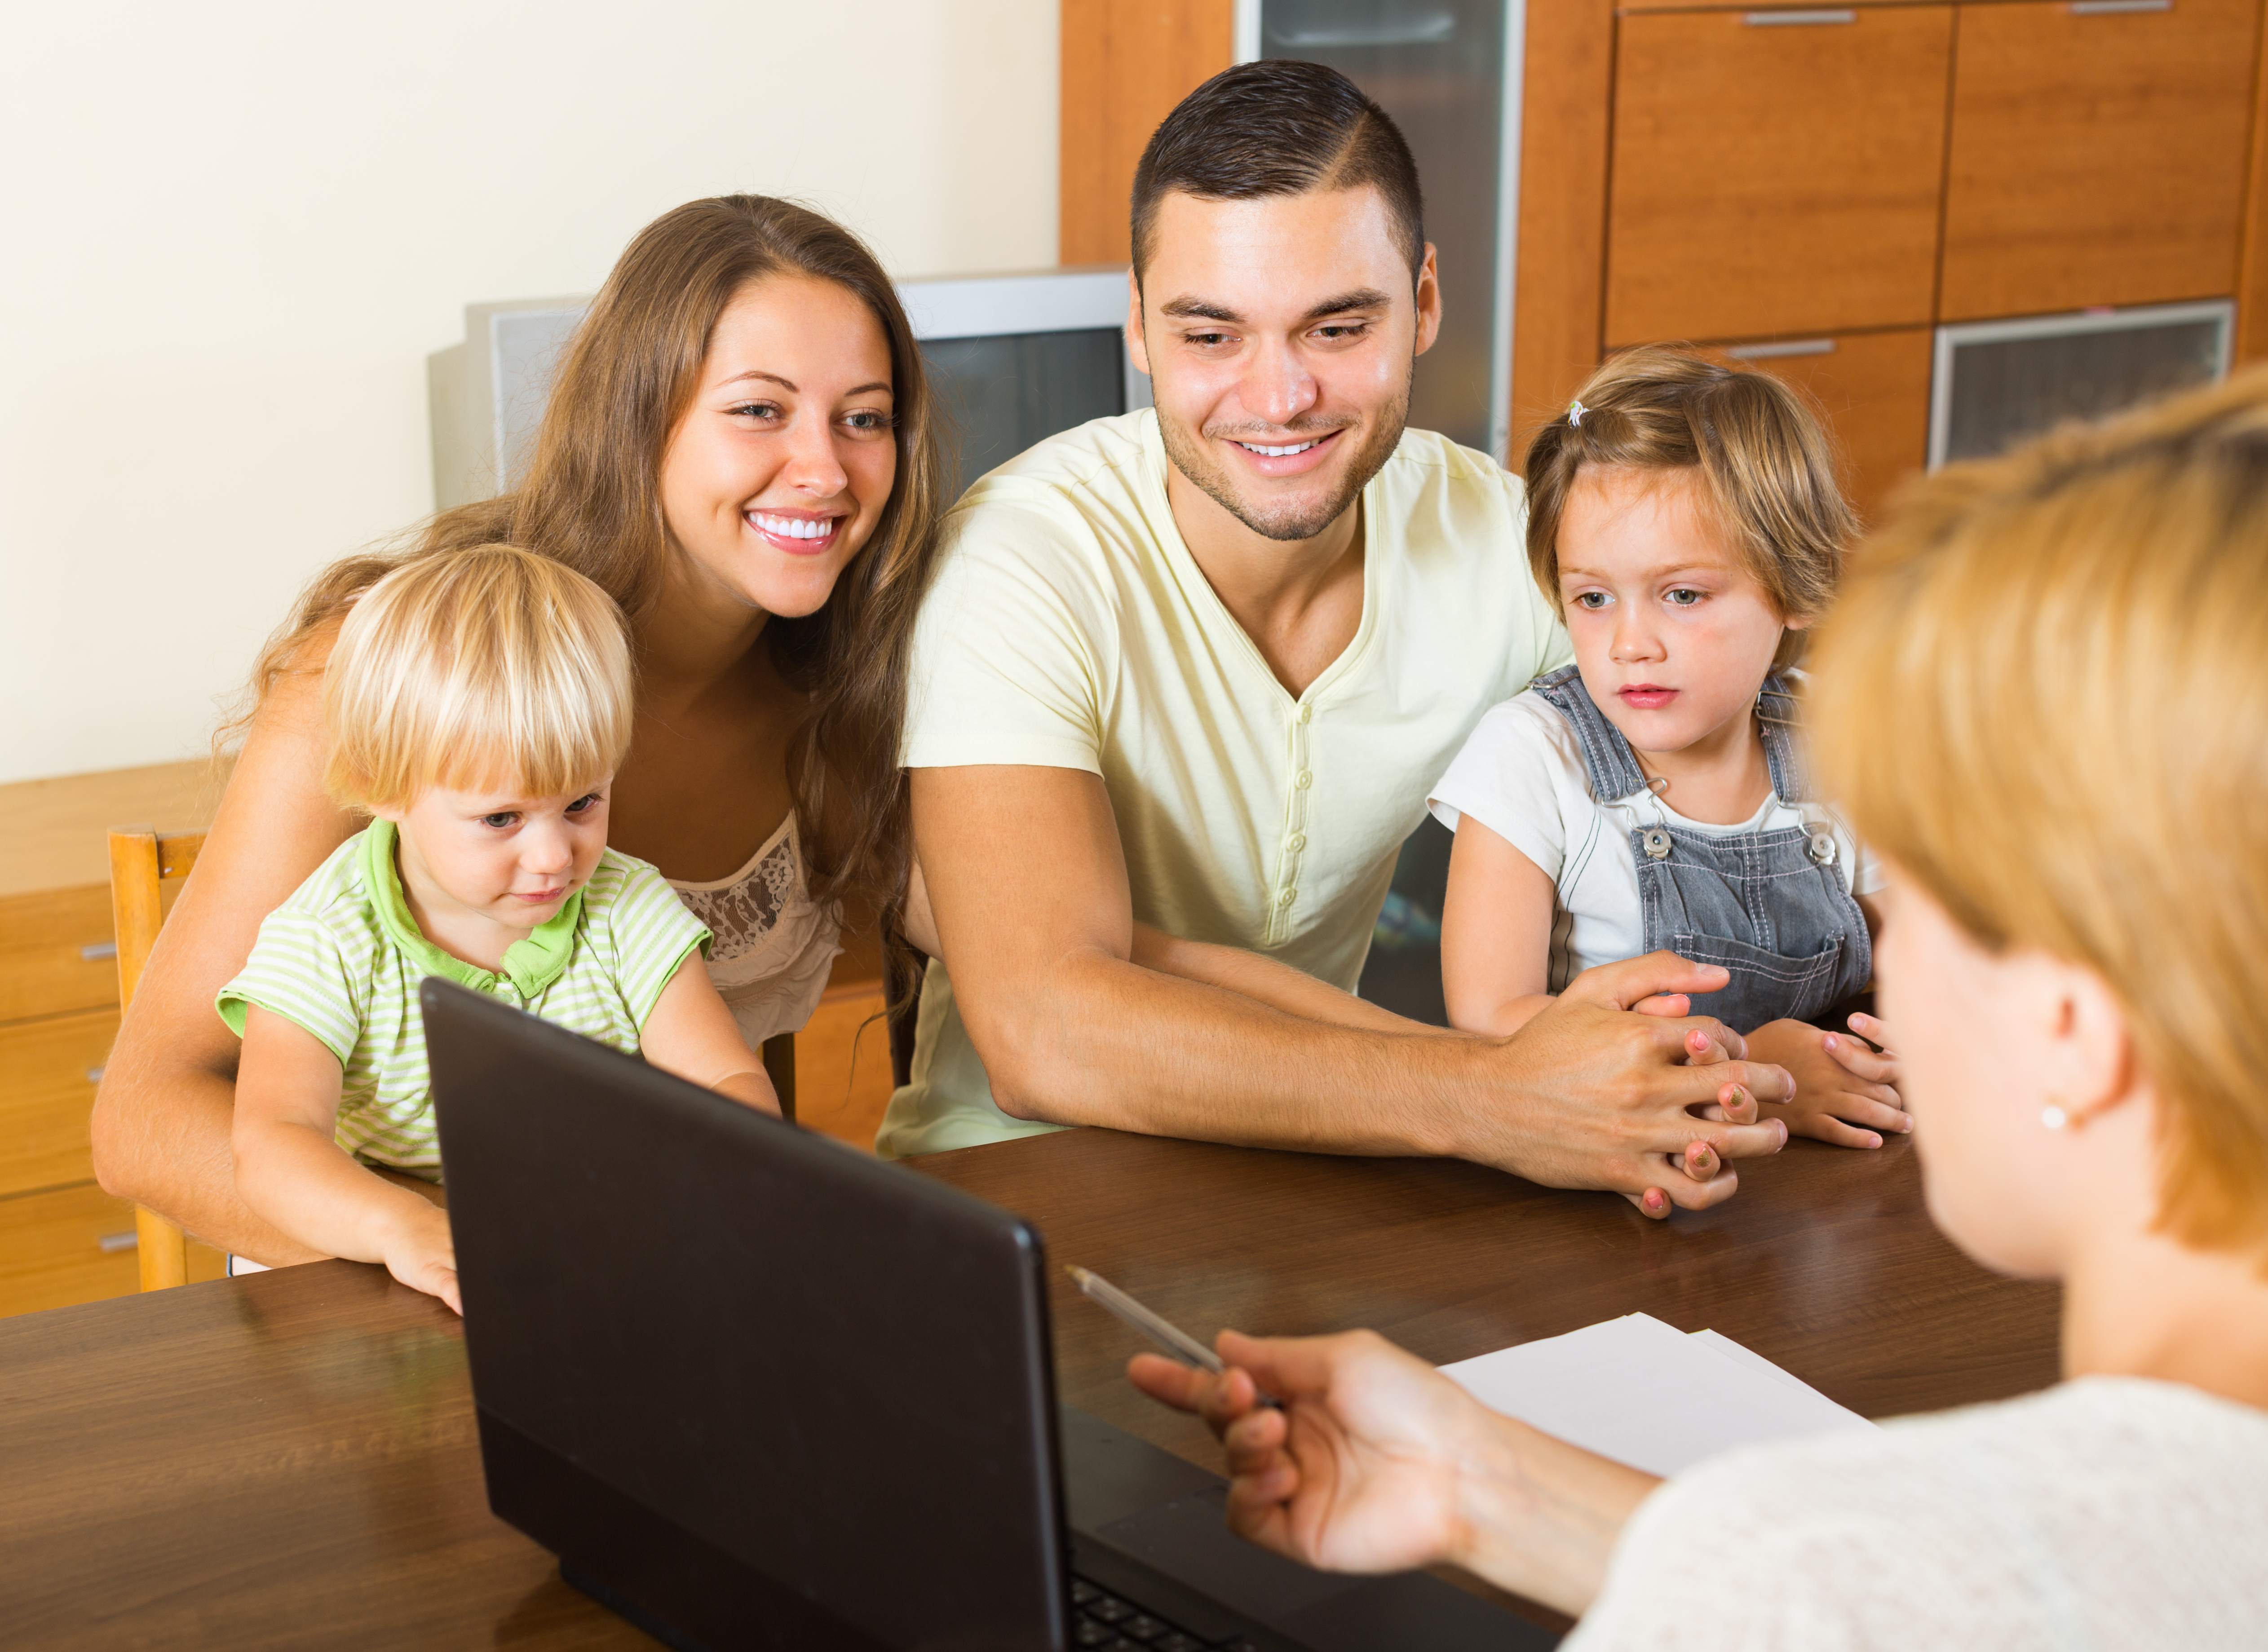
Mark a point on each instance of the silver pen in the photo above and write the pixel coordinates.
(1160, 1330)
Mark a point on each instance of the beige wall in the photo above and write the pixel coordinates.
(234, 232)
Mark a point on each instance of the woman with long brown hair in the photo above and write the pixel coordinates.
(739, 449)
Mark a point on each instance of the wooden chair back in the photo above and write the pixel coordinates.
(142, 861)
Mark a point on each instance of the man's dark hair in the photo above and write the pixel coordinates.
(1278, 128)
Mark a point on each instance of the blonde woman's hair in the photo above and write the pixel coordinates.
(2044, 697)
(487, 666)
(1767, 471)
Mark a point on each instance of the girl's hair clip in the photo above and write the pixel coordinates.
(1575, 412)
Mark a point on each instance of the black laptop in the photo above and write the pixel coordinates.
(755, 1389)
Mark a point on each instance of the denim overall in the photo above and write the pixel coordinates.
(1771, 907)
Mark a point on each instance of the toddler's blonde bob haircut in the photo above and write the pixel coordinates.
(1767, 470)
(478, 668)
(2043, 696)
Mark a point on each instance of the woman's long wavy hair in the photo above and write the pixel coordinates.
(592, 500)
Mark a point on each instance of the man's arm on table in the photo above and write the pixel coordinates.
(1248, 974)
(1028, 886)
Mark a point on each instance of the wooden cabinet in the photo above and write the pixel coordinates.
(2098, 155)
(56, 951)
(63, 1240)
(48, 1069)
(1775, 177)
(65, 1246)
(1873, 390)
(1125, 64)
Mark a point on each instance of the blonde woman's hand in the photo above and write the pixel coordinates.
(1376, 1462)
(1357, 1471)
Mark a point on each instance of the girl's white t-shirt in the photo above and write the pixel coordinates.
(1520, 774)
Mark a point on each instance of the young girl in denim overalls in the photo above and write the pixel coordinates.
(1652, 796)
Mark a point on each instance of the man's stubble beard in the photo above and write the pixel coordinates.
(1195, 461)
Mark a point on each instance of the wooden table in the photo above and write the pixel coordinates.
(288, 1459)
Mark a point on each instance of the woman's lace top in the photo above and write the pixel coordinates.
(774, 945)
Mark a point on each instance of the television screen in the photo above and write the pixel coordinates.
(1004, 393)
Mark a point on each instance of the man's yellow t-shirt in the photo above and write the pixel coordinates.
(1070, 628)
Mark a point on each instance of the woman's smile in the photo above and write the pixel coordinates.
(798, 533)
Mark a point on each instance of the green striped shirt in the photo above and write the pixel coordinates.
(342, 958)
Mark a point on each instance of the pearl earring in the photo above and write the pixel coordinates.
(2053, 1118)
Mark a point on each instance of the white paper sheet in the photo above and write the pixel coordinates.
(1647, 1394)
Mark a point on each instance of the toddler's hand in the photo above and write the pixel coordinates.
(1854, 1053)
(420, 1253)
(1844, 1093)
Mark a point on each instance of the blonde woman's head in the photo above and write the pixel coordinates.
(2043, 698)
(490, 666)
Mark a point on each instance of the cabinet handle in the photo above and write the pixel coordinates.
(98, 952)
(94, 1075)
(112, 1244)
(2112, 8)
(1803, 20)
(1777, 352)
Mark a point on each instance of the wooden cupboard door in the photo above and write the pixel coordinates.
(65, 1246)
(2097, 156)
(1775, 178)
(1872, 389)
(56, 953)
(48, 1069)
(1125, 64)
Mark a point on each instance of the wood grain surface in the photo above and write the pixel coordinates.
(1872, 389)
(2096, 159)
(1775, 181)
(1568, 95)
(1825, 1263)
(289, 1460)
(1125, 64)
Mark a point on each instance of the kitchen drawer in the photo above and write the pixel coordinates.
(1770, 180)
(2097, 157)
(56, 953)
(52, 1254)
(47, 1089)
(51, 1249)
(1873, 389)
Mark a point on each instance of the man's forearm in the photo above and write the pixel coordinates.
(1277, 985)
(178, 1161)
(1118, 1045)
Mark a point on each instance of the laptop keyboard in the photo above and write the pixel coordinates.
(1111, 1623)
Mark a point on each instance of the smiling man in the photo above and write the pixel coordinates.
(1182, 685)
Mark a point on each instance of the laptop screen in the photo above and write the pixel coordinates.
(697, 1331)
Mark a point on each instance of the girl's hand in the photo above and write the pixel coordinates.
(1876, 1068)
(1844, 1093)
(419, 1251)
